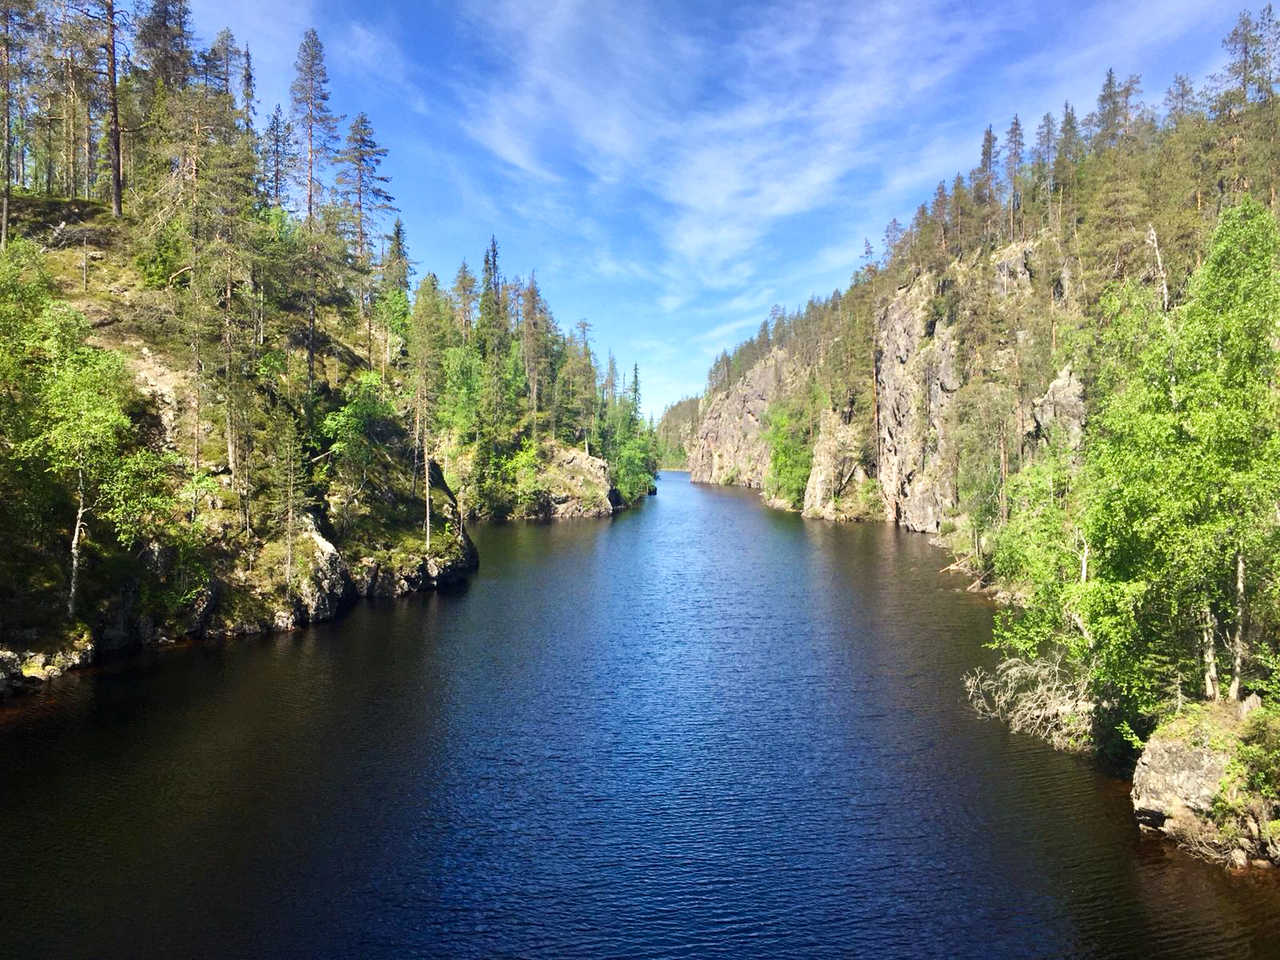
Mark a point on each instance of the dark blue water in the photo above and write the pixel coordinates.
(700, 729)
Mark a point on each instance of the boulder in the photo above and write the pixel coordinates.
(1175, 782)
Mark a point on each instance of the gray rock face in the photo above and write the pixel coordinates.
(580, 486)
(1188, 785)
(729, 445)
(837, 467)
(322, 594)
(1060, 409)
(917, 374)
(919, 370)
(1175, 783)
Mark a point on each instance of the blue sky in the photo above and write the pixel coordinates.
(671, 170)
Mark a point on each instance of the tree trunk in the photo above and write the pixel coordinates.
(113, 109)
(1004, 479)
(1211, 691)
(195, 432)
(1154, 241)
(8, 132)
(229, 402)
(81, 510)
(288, 521)
(311, 345)
(426, 493)
(1237, 637)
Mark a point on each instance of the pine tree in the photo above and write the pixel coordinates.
(360, 184)
(317, 130)
(15, 23)
(279, 156)
(163, 43)
(316, 125)
(1013, 147)
(534, 322)
(1071, 150)
(395, 265)
(464, 299)
(1240, 84)
(1108, 121)
(984, 182)
(361, 188)
(248, 90)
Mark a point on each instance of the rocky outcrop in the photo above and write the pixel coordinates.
(327, 584)
(837, 487)
(578, 486)
(331, 583)
(22, 671)
(1189, 786)
(1061, 409)
(1175, 782)
(917, 375)
(729, 446)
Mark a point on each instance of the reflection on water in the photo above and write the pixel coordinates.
(701, 729)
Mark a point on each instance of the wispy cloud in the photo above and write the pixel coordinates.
(372, 52)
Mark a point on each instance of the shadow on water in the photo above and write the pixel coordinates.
(701, 728)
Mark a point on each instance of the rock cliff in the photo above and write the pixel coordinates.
(729, 445)
(917, 376)
(838, 480)
(897, 456)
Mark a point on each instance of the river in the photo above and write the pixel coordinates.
(700, 729)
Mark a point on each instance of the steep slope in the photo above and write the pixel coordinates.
(728, 445)
(235, 560)
(960, 359)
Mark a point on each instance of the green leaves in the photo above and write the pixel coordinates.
(789, 431)
(1175, 502)
(351, 426)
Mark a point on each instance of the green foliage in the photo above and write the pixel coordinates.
(1260, 754)
(632, 466)
(353, 429)
(1146, 562)
(162, 260)
(532, 496)
(789, 432)
(140, 496)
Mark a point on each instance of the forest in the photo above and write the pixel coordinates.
(1138, 561)
(213, 345)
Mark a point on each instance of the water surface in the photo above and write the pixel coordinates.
(700, 729)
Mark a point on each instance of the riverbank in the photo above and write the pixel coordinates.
(330, 578)
(317, 582)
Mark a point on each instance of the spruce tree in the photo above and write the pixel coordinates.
(316, 128)
(361, 188)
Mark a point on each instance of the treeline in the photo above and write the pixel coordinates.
(313, 378)
(1142, 556)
